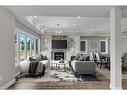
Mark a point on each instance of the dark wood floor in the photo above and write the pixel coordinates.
(103, 83)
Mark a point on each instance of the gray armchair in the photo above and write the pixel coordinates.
(83, 67)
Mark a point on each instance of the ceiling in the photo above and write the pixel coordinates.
(68, 19)
(62, 11)
(70, 25)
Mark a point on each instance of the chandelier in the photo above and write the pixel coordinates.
(58, 31)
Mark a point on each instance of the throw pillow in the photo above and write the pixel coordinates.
(32, 59)
(77, 57)
(87, 58)
(44, 58)
(38, 57)
(81, 58)
(73, 58)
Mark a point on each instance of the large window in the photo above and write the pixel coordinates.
(33, 47)
(25, 46)
(103, 46)
(83, 46)
(22, 47)
(28, 47)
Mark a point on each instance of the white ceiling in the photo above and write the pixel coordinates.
(72, 24)
(93, 19)
(63, 11)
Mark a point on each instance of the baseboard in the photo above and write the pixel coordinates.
(7, 84)
(115, 88)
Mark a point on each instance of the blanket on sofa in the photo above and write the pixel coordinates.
(33, 67)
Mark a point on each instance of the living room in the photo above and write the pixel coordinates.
(56, 50)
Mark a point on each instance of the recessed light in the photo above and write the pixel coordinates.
(78, 17)
(35, 16)
(91, 29)
(123, 36)
(41, 24)
(74, 24)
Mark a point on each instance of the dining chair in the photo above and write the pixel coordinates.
(124, 63)
(100, 61)
(92, 56)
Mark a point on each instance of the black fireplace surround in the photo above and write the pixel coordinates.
(58, 55)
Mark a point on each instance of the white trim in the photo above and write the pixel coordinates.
(39, 46)
(17, 73)
(106, 44)
(115, 88)
(18, 30)
(8, 84)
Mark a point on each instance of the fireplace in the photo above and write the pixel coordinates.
(58, 55)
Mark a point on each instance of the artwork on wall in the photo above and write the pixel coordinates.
(71, 43)
(93, 45)
(45, 43)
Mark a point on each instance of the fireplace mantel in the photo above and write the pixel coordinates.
(58, 51)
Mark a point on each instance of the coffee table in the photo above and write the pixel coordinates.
(56, 65)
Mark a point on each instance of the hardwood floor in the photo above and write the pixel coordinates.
(103, 83)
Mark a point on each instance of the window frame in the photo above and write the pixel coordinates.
(27, 47)
(106, 46)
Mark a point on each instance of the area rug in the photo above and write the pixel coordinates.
(70, 77)
(59, 76)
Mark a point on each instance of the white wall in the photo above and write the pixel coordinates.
(46, 45)
(7, 64)
(76, 47)
(93, 43)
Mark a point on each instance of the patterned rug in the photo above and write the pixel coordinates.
(58, 76)
(70, 77)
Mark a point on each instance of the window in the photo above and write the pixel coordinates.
(33, 46)
(103, 46)
(16, 47)
(83, 46)
(28, 47)
(22, 47)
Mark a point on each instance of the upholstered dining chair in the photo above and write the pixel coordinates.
(124, 63)
(100, 61)
(92, 55)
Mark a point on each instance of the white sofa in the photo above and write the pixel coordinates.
(83, 67)
(24, 66)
